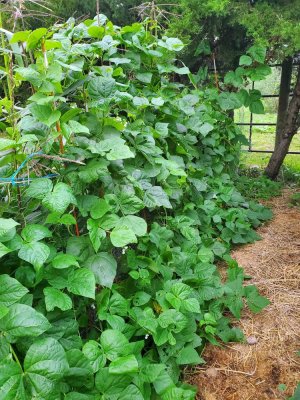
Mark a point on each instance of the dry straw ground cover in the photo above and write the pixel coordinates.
(255, 371)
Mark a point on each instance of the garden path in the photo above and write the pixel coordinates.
(259, 370)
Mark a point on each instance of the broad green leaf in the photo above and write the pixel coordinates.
(80, 368)
(52, 44)
(132, 393)
(120, 152)
(11, 381)
(172, 44)
(35, 37)
(76, 127)
(229, 101)
(6, 225)
(79, 247)
(219, 249)
(257, 107)
(93, 171)
(21, 36)
(67, 219)
(104, 267)
(94, 354)
(124, 365)
(149, 373)
(6, 143)
(156, 197)
(258, 53)
(62, 261)
(99, 208)
(96, 31)
(179, 393)
(144, 77)
(129, 204)
(115, 322)
(60, 198)
(4, 250)
(235, 305)
(255, 301)
(82, 282)
(78, 395)
(173, 319)
(157, 101)
(68, 115)
(11, 291)
(245, 60)
(39, 188)
(8, 236)
(34, 233)
(29, 74)
(101, 88)
(56, 298)
(45, 114)
(106, 145)
(140, 101)
(206, 128)
(3, 310)
(182, 70)
(141, 298)
(113, 343)
(22, 320)
(122, 236)
(115, 123)
(162, 129)
(205, 255)
(36, 253)
(65, 329)
(137, 224)
(54, 72)
(4, 349)
(181, 290)
(163, 382)
(41, 98)
(118, 60)
(96, 234)
(28, 139)
(259, 72)
(45, 365)
(191, 305)
(109, 221)
(111, 385)
(188, 355)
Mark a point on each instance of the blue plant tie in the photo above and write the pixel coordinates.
(25, 181)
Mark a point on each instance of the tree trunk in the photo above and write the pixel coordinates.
(278, 157)
(284, 97)
(289, 129)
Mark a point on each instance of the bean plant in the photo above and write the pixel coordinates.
(117, 208)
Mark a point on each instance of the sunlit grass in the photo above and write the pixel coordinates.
(263, 138)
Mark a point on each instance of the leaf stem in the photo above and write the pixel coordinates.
(15, 357)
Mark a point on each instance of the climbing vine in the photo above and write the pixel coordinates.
(117, 203)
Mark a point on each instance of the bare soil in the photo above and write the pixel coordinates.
(242, 371)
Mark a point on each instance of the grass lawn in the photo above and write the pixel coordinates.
(263, 138)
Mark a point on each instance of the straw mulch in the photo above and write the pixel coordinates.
(254, 371)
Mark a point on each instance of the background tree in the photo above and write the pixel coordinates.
(277, 25)
(229, 26)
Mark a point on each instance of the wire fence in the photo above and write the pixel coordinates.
(251, 124)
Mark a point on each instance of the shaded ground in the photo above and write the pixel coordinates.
(253, 372)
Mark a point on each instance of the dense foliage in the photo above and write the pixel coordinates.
(117, 203)
(227, 26)
(236, 23)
